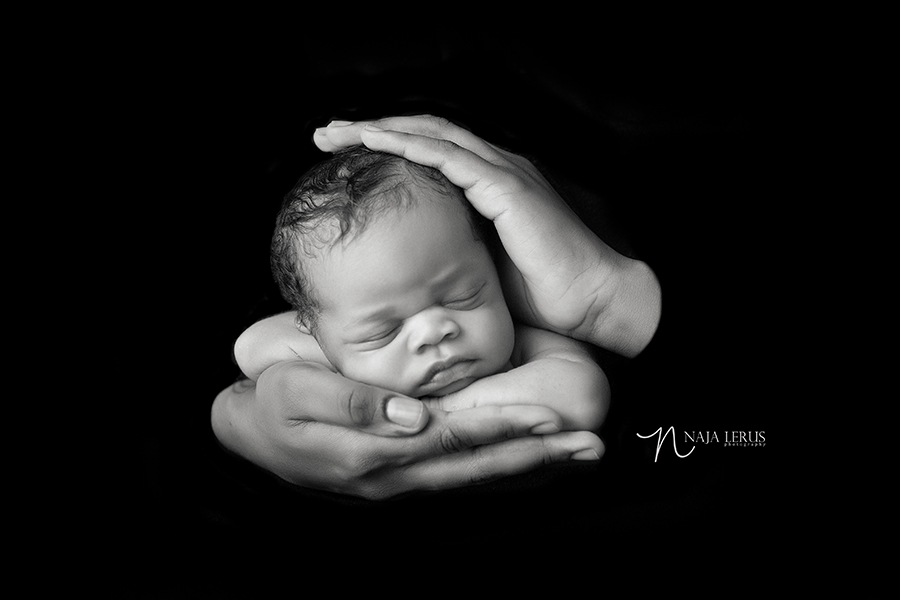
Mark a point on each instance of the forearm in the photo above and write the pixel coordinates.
(273, 340)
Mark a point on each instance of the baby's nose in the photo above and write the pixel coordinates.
(430, 328)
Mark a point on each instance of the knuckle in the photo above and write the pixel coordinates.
(446, 147)
(521, 162)
(546, 454)
(358, 407)
(439, 123)
(286, 386)
(525, 163)
(513, 182)
(478, 472)
(451, 440)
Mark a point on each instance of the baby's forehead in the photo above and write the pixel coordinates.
(429, 236)
(429, 206)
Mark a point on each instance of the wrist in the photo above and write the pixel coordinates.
(626, 318)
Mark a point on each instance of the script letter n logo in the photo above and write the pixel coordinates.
(661, 437)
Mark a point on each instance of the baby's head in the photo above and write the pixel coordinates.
(387, 266)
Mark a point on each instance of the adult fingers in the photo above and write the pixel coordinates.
(376, 467)
(450, 432)
(456, 449)
(486, 463)
(451, 451)
(461, 166)
(342, 134)
(539, 231)
(308, 391)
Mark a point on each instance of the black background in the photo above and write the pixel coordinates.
(673, 143)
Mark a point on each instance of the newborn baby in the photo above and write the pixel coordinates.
(391, 274)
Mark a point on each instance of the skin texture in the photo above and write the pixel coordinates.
(413, 293)
(559, 277)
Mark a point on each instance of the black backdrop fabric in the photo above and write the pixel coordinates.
(672, 151)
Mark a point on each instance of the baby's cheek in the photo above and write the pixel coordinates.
(495, 328)
(379, 368)
(358, 367)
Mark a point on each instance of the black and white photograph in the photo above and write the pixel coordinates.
(442, 300)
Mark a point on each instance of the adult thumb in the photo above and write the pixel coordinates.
(313, 393)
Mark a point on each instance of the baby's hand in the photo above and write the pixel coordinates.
(469, 398)
(578, 391)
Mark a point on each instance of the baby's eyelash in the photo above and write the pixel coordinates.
(465, 300)
(382, 335)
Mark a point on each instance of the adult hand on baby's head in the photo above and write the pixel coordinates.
(272, 425)
(565, 278)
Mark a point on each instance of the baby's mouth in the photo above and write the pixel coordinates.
(445, 372)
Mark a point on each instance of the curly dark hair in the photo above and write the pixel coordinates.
(337, 198)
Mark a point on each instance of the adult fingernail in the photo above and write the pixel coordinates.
(586, 454)
(404, 411)
(371, 127)
(337, 123)
(544, 428)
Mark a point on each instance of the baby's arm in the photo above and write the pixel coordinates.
(274, 340)
(550, 370)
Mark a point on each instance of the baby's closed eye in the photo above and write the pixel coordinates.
(467, 300)
(380, 336)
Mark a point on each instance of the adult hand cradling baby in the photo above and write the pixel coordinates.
(318, 429)
(567, 279)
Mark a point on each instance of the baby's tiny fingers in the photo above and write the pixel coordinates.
(450, 402)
